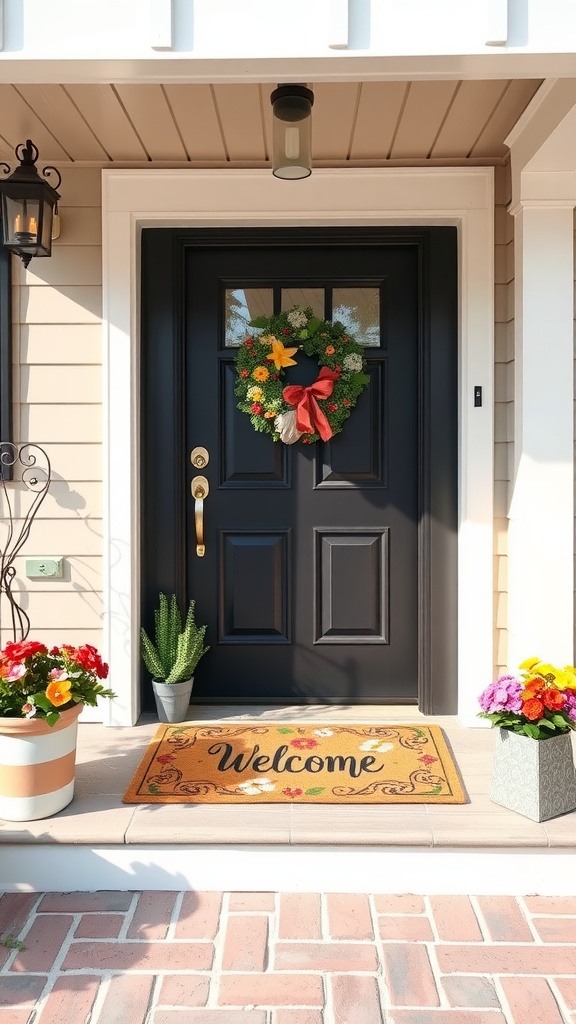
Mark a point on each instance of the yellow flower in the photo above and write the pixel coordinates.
(530, 664)
(260, 373)
(255, 393)
(565, 677)
(58, 693)
(269, 414)
(280, 355)
(267, 339)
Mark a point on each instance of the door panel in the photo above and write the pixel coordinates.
(309, 584)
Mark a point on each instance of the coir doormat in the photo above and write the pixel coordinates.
(288, 763)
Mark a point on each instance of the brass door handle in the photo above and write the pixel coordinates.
(200, 489)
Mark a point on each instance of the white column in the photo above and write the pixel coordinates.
(541, 537)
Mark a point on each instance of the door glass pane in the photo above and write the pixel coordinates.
(304, 297)
(242, 306)
(359, 310)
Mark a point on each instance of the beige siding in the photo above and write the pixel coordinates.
(57, 308)
(503, 407)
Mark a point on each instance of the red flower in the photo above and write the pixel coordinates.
(249, 343)
(166, 758)
(24, 649)
(332, 407)
(304, 743)
(292, 792)
(243, 373)
(553, 699)
(346, 401)
(274, 376)
(427, 759)
(256, 408)
(285, 330)
(533, 709)
(305, 440)
(88, 658)
(329, 350)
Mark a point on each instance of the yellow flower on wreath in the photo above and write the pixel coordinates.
(261, 374)
(255, 393)
(280, 355)
(269, 414)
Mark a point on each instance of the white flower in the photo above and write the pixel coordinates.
(323, 732)
(376, 746)
(297, 318)
(353, 361)
(253, 787)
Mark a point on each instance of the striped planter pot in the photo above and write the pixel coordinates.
(37, 765)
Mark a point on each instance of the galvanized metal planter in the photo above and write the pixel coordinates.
(534, 777)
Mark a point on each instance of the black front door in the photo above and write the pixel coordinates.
(312, 577)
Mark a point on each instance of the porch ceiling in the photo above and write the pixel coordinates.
(354, 123)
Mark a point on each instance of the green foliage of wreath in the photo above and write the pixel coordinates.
(260, 383)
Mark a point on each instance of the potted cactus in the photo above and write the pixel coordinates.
(173, 657)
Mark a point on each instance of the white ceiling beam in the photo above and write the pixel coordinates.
(496, 22)
(161, 24)
(339, 27)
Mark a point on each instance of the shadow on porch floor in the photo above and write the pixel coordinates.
(108, 757)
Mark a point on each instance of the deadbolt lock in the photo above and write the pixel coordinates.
(199, 458)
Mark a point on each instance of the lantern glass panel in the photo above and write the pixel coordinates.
(45, 238)
(292, 146)
(21, 220)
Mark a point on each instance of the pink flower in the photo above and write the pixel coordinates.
(58, 674)
(16, 672)
(503, 695)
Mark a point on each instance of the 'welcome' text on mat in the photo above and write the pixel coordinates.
(284, 762)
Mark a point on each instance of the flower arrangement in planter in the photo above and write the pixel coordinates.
(39, 683)
(42, 693)
(540, 702)
(535, 778)
(173, 656)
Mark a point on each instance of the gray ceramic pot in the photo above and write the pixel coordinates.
(172, 699)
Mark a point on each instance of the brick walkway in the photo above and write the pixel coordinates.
(265, 958)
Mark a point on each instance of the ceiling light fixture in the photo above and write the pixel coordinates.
(292, 135)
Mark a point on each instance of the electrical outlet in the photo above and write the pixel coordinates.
(44, 568)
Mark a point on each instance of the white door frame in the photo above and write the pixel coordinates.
(133, 199)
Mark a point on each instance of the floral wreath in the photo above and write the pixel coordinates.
(291, 412)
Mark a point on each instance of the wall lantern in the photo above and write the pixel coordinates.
(28, 205)
(292, 135)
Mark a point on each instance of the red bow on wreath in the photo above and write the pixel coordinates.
(309, 416)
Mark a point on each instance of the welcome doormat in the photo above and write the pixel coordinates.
(284, 762)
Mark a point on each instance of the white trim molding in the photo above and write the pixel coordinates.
(246, 198)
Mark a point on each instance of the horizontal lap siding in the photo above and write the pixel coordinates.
(57, 314)
(503, 408)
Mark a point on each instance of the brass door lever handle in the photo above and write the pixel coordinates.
(200, 489)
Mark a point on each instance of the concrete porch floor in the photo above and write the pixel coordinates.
(224, 847)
